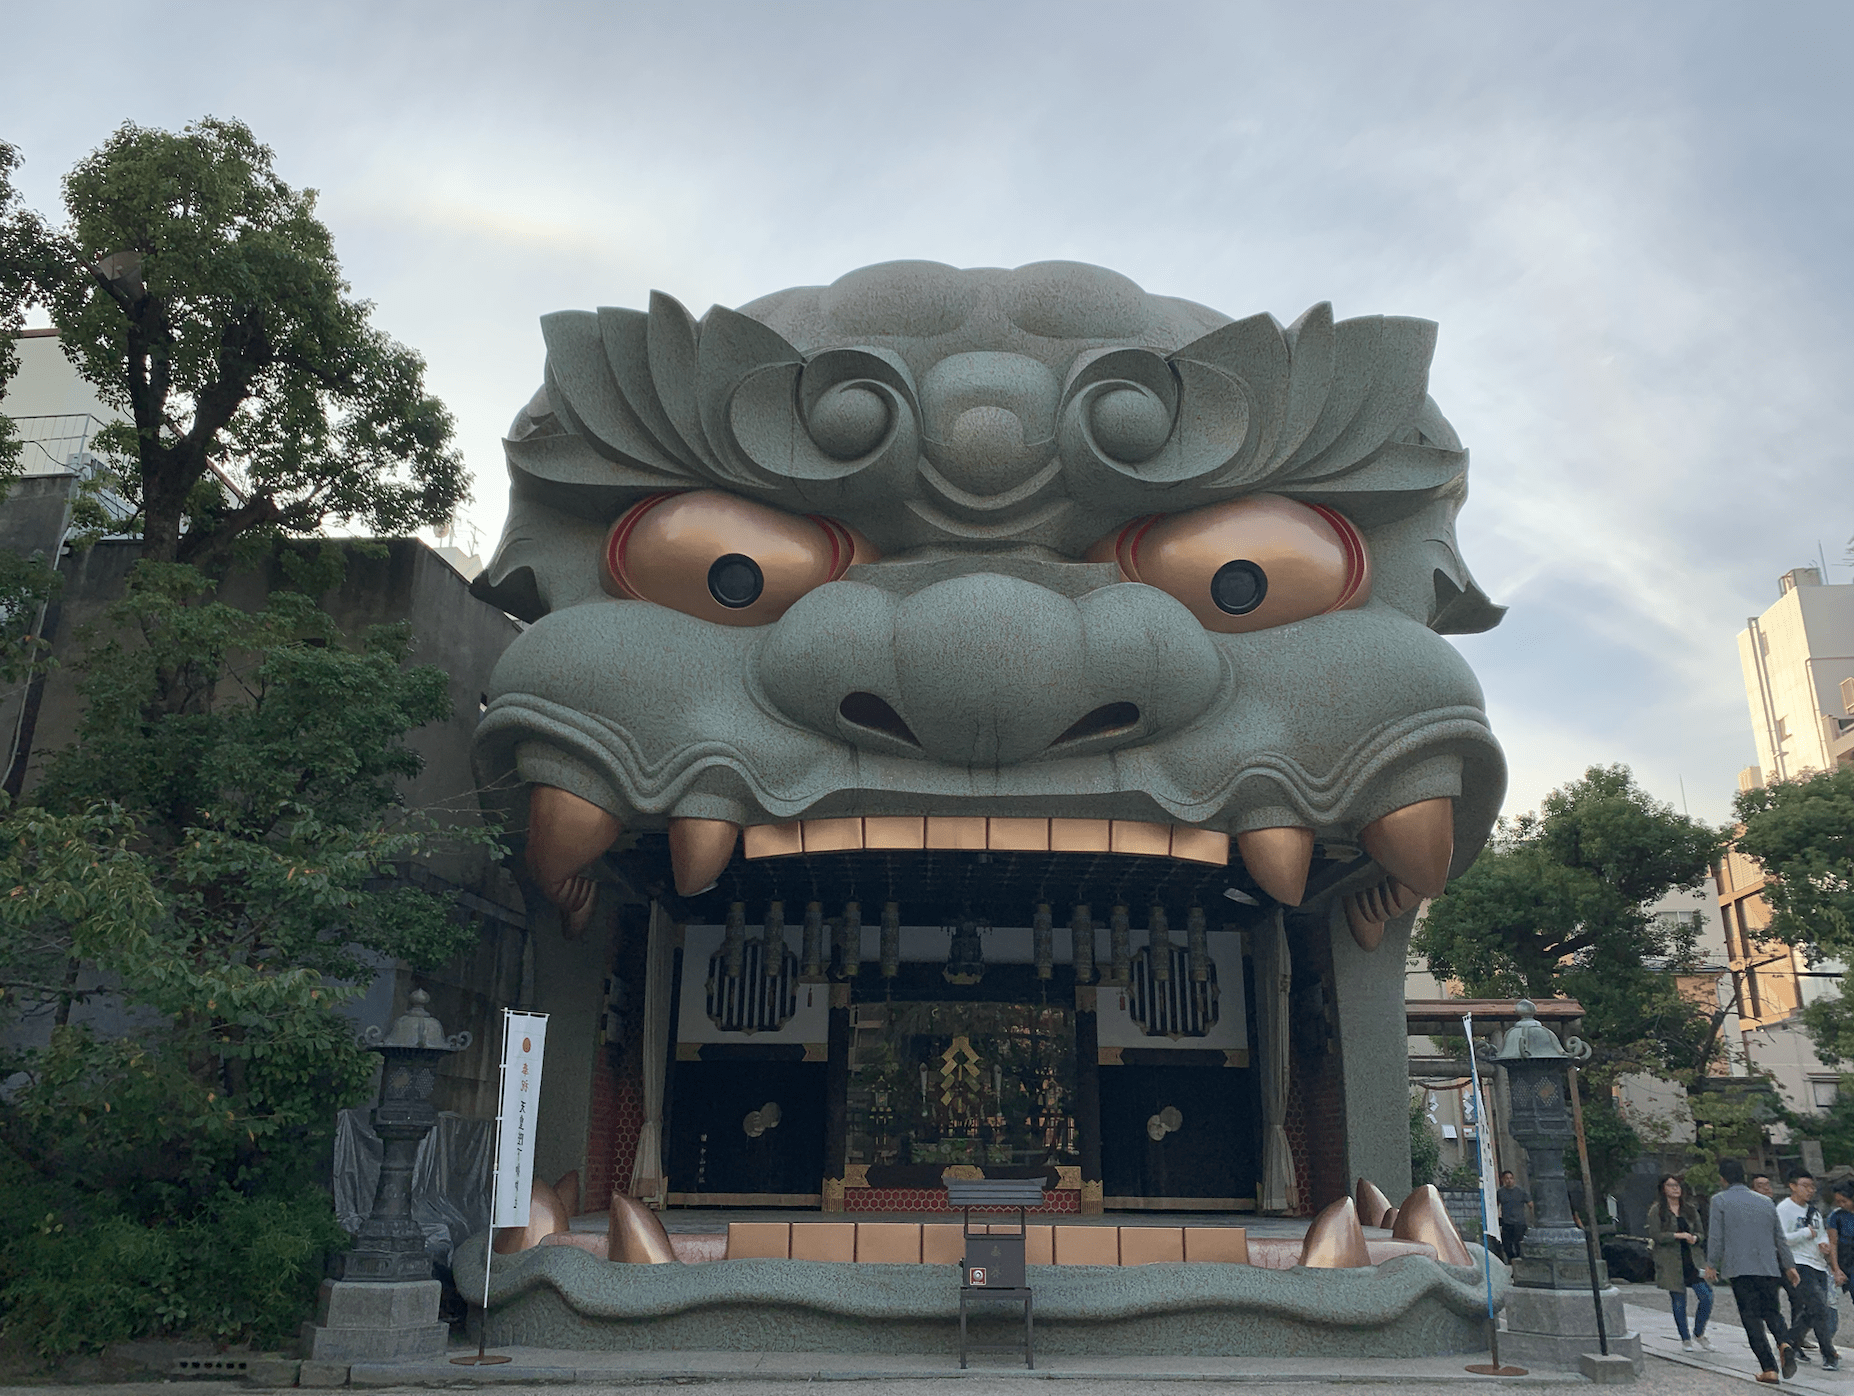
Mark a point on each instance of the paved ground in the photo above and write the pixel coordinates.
(1669, 1372)
(1660, 1379)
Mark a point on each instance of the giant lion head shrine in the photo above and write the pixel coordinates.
(1003, 722)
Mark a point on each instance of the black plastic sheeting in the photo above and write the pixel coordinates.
(450, 1178)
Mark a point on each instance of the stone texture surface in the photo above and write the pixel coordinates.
(557, 1297)
(1554, 1328)
(358, 1321)
(1333, 412)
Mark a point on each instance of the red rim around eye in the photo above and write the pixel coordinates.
(621, 537)
(1356, 566)
(1126, 546)
(842, 547)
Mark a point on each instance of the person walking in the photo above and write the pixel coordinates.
(1744, 1242)
(1806, 1235)
(1841, 1233)
(1515, 1204)
(1674, 1228)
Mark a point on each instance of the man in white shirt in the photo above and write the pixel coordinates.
(1807, 1235)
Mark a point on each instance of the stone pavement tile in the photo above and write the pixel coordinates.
(1733, 1358)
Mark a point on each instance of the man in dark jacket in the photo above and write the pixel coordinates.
(1744, 1242)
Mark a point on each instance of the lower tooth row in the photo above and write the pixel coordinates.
(978, 832)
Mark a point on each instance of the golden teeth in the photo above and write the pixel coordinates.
(976, 832)
(1368, 912)
(565, 833)
(699, 849)
(1335, 1240)
(1414, 844)
(1278, 860)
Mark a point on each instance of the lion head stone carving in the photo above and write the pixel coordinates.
(1024, 545)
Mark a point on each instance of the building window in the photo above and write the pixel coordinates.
(1823, 1093)
(1783, 729)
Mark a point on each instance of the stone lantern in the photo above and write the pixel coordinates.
(1553, 1255)
(1550, 1317)
(390, 1245)
(385, 1305)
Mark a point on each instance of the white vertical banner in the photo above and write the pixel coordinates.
(524, 1043)
(1484, 1141)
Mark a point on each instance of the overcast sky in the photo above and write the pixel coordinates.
(1631, 221)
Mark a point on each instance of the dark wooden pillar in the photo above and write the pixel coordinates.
(837, 1098)
(1088, 1097)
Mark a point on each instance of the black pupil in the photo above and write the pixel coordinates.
(1238, 587)
(736, 580)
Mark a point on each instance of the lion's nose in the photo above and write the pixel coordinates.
(986, 670)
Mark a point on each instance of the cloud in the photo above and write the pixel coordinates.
(1629, 224)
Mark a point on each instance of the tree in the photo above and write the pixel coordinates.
(1559, 905)
(20, 242)
(201, 295)
(221, 843)
(1801, 833)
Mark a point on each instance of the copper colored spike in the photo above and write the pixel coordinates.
(546, 1216)
(1372, 1204)
(1414, 844)
(1335, 1241)
(565, 833)
(1278, 860)
(635, 1234)
(1389, 1221)
(567, 1190)
(1422, 1217)
(575, 898)
(1368, 933)
(699, 849)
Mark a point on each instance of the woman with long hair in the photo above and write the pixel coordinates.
(1679, 1257)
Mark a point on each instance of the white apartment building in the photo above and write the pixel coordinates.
(1798, 661)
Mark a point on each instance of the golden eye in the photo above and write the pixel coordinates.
(1250, 564)
(725, 559)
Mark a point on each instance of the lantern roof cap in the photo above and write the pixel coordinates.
(1529, 1037)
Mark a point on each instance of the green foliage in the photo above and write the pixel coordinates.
(1801, 832)
(1835, 1127)
(1729, 1117)
(201, 295)
(22, 244)
(1558, 905)
(1609, 1139)
(74, 1277)
(26, 585)
(223, 846)
(1463, 1177)
(1830, 1025)
(223, 841)
(1425, 1147)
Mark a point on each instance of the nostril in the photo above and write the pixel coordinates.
(867, 710)
(1109, 717)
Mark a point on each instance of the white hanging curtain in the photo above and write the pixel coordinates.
(647, 1181)
(1274, 972)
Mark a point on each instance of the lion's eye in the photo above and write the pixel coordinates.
(1249, 564)
(725, 559)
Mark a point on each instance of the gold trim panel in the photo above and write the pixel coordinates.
(894, 831)
(978, 832)
(772, 840)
